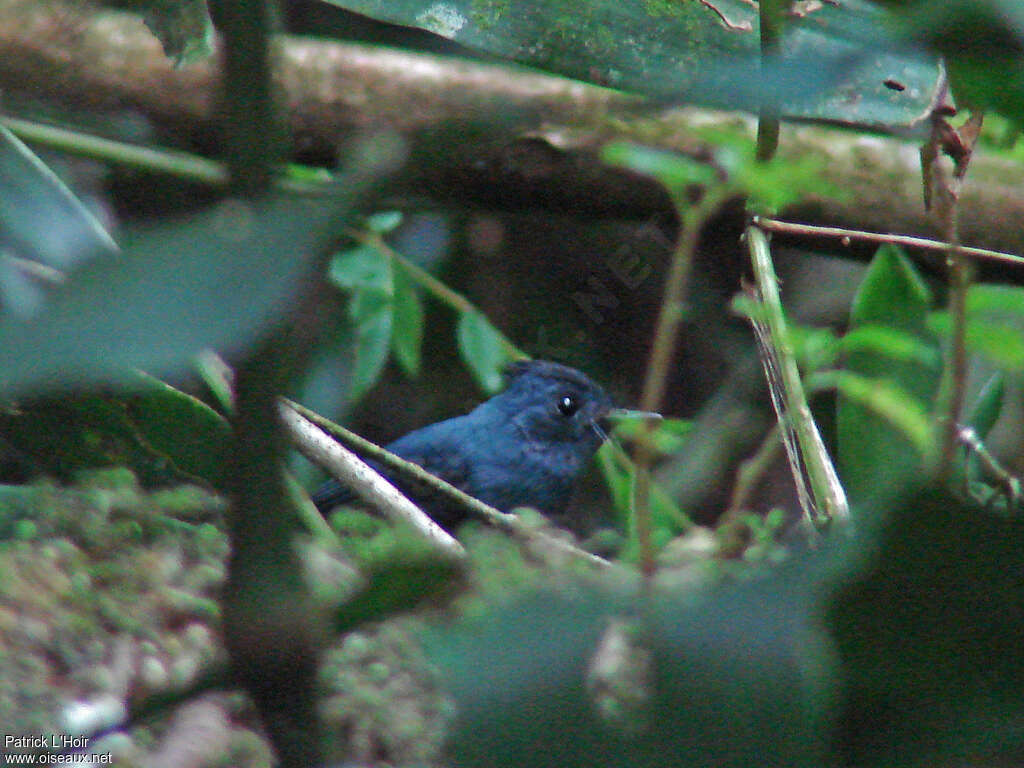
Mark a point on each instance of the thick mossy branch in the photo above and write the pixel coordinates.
(110, 61)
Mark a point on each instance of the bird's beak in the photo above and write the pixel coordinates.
(624, 414)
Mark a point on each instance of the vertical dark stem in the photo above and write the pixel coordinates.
(253, 133)
(770, 22)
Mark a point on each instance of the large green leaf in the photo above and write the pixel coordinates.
(161, 434)
(982, 42)
(840, 64)
(737, 677)
(893, 347)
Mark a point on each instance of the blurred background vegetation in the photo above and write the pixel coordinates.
(371, 207)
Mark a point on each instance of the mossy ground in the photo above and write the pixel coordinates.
(109, 594)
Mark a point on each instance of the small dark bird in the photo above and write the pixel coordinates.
(522, 448)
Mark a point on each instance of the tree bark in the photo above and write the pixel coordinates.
(537, 144)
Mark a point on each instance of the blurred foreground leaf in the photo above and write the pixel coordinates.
(739, 676)
(212, 280)
(41, 222)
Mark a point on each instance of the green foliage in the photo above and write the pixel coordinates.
(215, 279)
(983, 415)
(981, 42)
(995, 324)
(162, 434)
(892, 377)
(367, 275)
(484, 350)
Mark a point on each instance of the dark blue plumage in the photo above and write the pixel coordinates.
(522, 448)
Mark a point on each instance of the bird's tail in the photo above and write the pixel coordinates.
(331, 494)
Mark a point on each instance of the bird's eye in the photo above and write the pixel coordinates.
(568, 405)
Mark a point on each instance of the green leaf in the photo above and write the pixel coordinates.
(372, 316)
(407, 334)
(737, 678)
(985, 411)
(887, 400)
(367, 274)
(360, 268)
(667, 518)
(484, 350)
(891, 343)
(667, 436)
(997, 341)
(397, 587)
(674, 170)
(189, 435)
(892, 377)
(163, 435)
(995, 324)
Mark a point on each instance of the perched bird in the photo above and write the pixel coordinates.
(522, 448)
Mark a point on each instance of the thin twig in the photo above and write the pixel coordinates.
(319, 447)
(181, 165)
(752, 470)
(809, 230)
(783, 424)
(967, 437)
(663, 346)
(829, 497)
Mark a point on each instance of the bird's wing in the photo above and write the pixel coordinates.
(440, 449)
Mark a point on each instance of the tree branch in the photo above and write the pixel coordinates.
(110, 61)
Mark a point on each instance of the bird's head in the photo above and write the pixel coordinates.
(555, 405)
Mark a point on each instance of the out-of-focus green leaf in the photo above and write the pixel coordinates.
(484, 350)
(189, 435)
(162, 434)
(881, 406)
(986, 408)
(995, 324)
(999, 342)
(215, 279)
(928, 639)
(885, 399)
(384, 221)
(982, 43)
(41, 221)
(667, 435)
(675, 171)
(366, 274)
(407, 335)
(372, 316)
(385, 314)
(839, 65)
(891, 343)
(409, 580)
(667, 518)
(738, 677)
